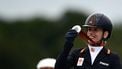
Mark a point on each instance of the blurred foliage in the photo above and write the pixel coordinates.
(24, 43)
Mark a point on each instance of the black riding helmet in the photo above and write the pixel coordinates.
(99, 20)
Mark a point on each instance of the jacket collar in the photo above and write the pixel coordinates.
(87, 57)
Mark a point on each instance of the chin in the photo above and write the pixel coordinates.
(96, 43)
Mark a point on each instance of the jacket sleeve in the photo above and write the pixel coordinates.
(64, 60)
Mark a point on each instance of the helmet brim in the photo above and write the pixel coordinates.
(87, 26)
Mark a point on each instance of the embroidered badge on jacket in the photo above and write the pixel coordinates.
(80, 61)
(103, 63)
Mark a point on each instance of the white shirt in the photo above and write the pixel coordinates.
(94, 51)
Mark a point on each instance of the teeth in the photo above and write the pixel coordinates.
(92, 37)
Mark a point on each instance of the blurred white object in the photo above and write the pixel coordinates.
(47, 62)
(77, 28)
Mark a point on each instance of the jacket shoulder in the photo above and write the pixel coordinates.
(114, 55)
(78, 50)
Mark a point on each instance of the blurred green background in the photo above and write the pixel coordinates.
(24, 42)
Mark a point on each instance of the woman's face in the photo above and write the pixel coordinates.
(94, 33)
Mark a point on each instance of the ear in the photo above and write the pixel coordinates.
(105, 35)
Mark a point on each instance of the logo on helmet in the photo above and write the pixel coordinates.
(92, 21)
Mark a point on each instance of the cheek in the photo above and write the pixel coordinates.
(87, 33)
(99, 36)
